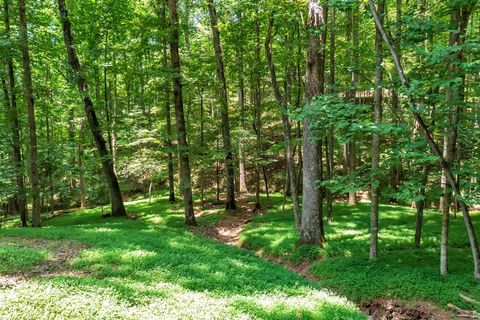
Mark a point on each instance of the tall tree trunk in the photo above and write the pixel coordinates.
(11, 96)
(330, 136)
(28, 92)
(282, 104)
(352, 155)
(257, 101)
(375, 182)
(241, 103)
(118, 208)
(229, 169)
(185, 176)
(455, 96)
(81, 166)
(431, 142)
(311, 219)
(167, 87)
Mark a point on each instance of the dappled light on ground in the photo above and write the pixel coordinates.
(139, 270)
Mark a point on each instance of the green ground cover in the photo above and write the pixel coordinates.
(402, 271)
(155, 268)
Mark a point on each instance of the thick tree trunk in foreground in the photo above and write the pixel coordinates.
(185, 176)
(28, 91)
(11, 97)
(227, 145)
(118, 208)
(431, 142)
(282, 104)
(311, 213)
(375, 182)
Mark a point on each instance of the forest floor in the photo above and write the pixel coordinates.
(155, 267)
(404, 283)
(83, 266)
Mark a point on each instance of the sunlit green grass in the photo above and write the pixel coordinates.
(156, 268)
(402, 271)
(18, 258)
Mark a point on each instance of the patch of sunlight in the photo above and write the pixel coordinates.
(174, 303)
(138, 254)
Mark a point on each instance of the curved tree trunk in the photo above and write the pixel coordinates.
(287, 136)
(431, 142)
(118, 208)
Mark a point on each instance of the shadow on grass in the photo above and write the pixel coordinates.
(401, 271)
(156, 257)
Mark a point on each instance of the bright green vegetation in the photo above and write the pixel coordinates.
(155, 268)
(18, 258)
(402, 271)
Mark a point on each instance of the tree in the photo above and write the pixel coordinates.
(375, 183)
(185, 176)
(118, 208)
(431, 142)
(311, 231)
(20, 197)
(282, 104)
(29, 99)
(229, 168)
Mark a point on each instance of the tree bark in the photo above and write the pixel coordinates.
(28, 92)
(431, 142)
(311, 218)
(168, 125)
(241, 103)
(282, 104)
(257, 101)
(330, 134)
(229, 169)
(185, 175)
(378, 99)
(118, 208)
(420, 206)
(11, 96)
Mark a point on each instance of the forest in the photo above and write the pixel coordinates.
(239, 159)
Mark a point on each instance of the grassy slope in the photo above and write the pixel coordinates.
(401, 270)
(155, 268)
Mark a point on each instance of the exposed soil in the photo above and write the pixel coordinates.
(62, 252)
(228, 231)
(392, 309)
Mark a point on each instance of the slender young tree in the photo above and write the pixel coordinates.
(431, 142)
(282, 104)
(185, 176)
(12, 116)
(118, 208)
(311, 231)
(377, 111)
(227, 145)
(167, 88)
(28, 93)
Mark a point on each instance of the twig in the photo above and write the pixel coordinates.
(469, 300)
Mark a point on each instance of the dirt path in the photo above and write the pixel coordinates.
(62, 252)
(228, 231)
